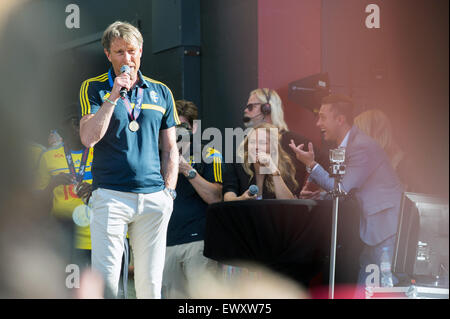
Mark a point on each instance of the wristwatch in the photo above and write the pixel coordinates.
(309, 169)
(191, 174)
(172, 193)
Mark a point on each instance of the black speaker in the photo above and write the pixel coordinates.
(308, 92)
(422, 246)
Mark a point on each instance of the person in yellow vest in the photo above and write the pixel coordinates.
(36, 151)
(64, 177)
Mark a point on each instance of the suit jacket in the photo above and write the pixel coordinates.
(370, 176)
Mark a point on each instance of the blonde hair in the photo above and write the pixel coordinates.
(276, 106)
(377, 125)
(285, 165)
(123, 30)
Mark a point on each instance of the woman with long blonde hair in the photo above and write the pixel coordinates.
(264, 164)
(377, 125)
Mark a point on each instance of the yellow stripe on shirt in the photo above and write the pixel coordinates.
(219, 164)
(217, 169)
(102, 78)
(84, 99)
(153, 107)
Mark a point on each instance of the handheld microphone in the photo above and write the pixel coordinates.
(124, 69)
(253, 190)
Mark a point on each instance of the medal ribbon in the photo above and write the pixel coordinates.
(134, 112)
(80, 175)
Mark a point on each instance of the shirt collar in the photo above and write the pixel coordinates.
(345, 140)
(141, 83)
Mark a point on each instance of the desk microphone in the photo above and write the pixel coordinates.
(253, 190)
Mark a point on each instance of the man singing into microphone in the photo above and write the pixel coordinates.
(132, 191)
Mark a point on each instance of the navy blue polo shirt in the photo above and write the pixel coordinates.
(188, 220)
(124, 160)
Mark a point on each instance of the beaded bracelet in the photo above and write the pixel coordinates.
(108, 100)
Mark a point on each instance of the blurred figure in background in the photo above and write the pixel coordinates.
(378, 126)
(264, 284)
(199, 184)
(33, 259)
(36, 152)
(65, 178)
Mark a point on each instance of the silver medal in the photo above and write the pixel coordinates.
(82, 216)
(133, 126)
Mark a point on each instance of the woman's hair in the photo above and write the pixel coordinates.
(276, 106)
(377, 125)
(285, 165)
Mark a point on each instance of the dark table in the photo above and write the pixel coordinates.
(292, 237)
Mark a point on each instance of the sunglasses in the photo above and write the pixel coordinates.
(251, 106)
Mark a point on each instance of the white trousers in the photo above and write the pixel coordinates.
(145, 217)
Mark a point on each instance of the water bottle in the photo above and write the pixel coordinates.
(412, 290)
(385, 268)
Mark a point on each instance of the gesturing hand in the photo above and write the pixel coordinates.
(310, 191)
(306, 157)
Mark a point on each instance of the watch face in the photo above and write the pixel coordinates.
(192, 173)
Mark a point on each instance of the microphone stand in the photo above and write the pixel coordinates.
(337, 171)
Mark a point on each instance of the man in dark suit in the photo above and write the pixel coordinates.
(369, 176)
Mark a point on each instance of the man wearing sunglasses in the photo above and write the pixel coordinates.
(265, 105)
